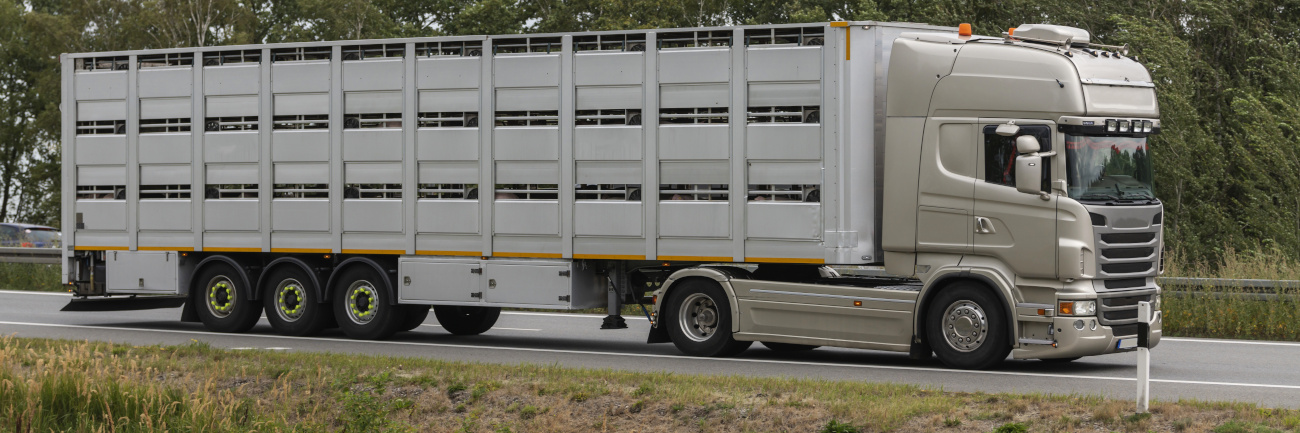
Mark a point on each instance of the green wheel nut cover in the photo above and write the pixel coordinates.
(287, 291)
(370, 305)
(221, 304)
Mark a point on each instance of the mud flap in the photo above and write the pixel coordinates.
(658, 334)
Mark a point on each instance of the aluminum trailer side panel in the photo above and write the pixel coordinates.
(753, 143)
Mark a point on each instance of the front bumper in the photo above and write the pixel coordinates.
(1073, 343)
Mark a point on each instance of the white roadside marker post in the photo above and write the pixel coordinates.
(1144, 356)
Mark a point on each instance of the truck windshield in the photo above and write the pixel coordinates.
(1111, 169)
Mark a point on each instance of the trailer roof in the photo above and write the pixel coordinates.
(918, 26)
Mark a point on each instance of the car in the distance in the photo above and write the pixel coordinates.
(29, 236)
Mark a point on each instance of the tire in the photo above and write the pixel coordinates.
(973, 314)
(292, 304)
(361, 305)
(466, 320)
(788, 347)
(415, 316)
(698, 318)
(220, 301)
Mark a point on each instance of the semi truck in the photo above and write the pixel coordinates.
(733, 178)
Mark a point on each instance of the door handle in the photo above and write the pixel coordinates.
(984, 226)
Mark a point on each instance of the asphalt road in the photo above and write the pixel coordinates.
(1267, 373)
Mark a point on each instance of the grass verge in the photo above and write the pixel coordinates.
(30, 276)
(83, 386)
(1233, 313)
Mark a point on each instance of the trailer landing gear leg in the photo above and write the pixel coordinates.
(615, 309)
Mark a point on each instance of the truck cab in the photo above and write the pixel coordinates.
(1034, 181)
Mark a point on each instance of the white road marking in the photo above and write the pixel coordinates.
(678, 357)
(495, 328)
(1215, 340)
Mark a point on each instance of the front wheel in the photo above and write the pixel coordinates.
(967, 327)
(699, 320)
(466, 320)
(361, 306)
(222, 305)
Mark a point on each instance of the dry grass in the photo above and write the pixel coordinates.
(1206, 312)
(81, 386)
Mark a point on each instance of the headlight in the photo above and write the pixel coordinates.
(1077, 308)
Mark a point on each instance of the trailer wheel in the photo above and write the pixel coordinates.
(699, 320)
(415, 316)
(222, 305)
(466, 320)
(292, 305)
(788, 347)
(361, 306)
(967, 327)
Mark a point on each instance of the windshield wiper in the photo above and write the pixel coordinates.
(1098, 197)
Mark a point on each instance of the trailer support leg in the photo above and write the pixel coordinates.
(614, 307)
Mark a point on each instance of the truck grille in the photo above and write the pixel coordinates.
(1128, 253)
(1126, 268)
(1128, 238)
(1125, 283)
(1124, 330)
(1120, 308)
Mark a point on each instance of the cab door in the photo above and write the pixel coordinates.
(1017, 228)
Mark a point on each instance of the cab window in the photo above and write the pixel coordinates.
(1000, 154)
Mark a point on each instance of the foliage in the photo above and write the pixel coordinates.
(1228, 80)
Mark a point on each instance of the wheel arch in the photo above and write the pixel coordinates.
(944, 280)
(302, 265)
(384, 277)
(248, 290)
(720, 275)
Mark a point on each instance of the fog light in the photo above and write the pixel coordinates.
(1078, 325)
(1094, 324)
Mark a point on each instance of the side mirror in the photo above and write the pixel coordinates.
(1029, 174)
(1027, 144)
(1008, 129)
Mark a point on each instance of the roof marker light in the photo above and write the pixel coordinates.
(963, 29)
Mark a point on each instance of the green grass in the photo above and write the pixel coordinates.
(28, 276)
(53, 385)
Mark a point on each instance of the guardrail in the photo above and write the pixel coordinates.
(1219, 288)
(49, 256)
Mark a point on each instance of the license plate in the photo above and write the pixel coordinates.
(1126, 343)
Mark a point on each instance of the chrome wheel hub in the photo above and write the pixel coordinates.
(290, 300)
(220, 296)
(965, 326)
(362, 302)
(699, 317)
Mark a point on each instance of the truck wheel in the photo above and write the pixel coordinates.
(361, 306)
(788, 347)
(222, 305)
(291, 303)
(967, 327)
(699, 321)
(466, 320)
(415, 315)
